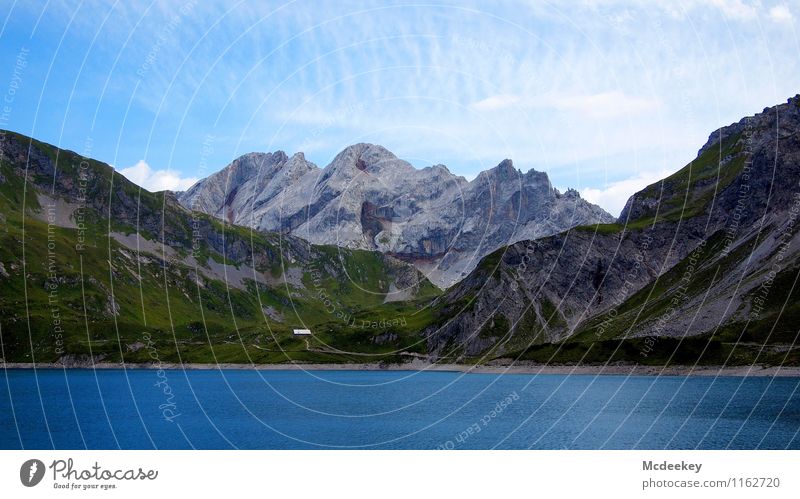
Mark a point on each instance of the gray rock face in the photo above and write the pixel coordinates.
(367, 198)
(712, 249)
(232, 193)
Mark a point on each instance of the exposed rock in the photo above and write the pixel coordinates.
(705, 245)
(367, 198)
(55, 211)
(135, 346)
(80, 361)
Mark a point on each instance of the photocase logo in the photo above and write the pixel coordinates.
(31, 472)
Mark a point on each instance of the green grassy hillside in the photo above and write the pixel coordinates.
(75, 281)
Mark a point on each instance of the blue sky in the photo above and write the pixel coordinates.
(604, 95)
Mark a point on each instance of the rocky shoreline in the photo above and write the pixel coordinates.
(516, 368)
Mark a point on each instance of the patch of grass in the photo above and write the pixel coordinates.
(700, 350)
(116, 299)
(496, 327)
(687, 192)
(650, 302)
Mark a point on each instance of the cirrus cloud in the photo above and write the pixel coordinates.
(602, 105)
(496, 102)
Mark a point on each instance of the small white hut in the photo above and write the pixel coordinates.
(302, 332)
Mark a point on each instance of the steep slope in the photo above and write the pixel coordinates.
(368, 198)
(250, 181)
(700, 266)
(93, 266)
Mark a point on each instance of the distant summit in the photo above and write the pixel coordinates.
(368, 198)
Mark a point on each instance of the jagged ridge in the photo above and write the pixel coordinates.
(367, 198)
(710, 252)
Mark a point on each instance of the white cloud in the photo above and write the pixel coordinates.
(603, 105)
(741, 10)
(156, 180)
(736, 9)
(564, 90)
(606, 105)
(614, 196)
(496, 102)
(781, 14)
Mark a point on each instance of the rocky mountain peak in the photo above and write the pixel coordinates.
(503, 172)
(506, 165)
(766, 118)
(368, 198)
(438, 168)
(572, 194)
(721, 159)
(297, 166)
(505, 169)
(279, 156)
(363, 157)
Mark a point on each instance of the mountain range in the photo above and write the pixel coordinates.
(700, 267)
(367, 198)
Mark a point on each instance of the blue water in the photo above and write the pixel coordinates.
(214, 409)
